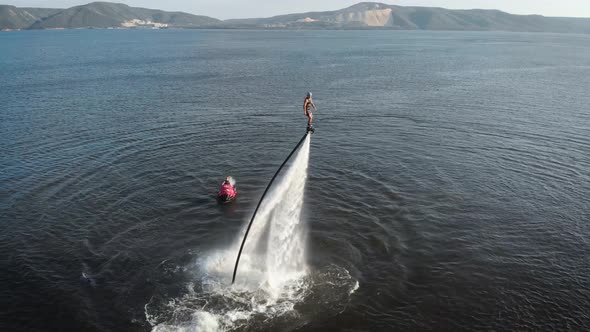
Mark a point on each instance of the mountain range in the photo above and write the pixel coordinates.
(96, 15)
(365, 15)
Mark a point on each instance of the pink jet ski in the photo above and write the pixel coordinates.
(227, 191)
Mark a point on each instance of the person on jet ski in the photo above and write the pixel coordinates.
(227, 191)
(307, 105)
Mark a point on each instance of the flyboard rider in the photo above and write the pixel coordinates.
(307, 105)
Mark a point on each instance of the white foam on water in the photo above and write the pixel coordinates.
(271, 274)
(274, 252)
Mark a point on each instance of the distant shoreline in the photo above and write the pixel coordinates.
(362, 16)
(295, 30)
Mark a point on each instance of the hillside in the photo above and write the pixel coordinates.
(97, 15)
(365, 15)
(12, 17)
(370, 15)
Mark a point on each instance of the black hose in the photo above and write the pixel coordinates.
(233, 279)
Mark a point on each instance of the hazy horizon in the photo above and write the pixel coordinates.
(229, 9)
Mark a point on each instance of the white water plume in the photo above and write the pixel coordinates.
(275, 248)
(272, 277)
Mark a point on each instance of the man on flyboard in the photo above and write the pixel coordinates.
(307, 105)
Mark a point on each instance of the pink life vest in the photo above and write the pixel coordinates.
(227, 189)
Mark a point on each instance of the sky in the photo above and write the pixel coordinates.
(226, 9)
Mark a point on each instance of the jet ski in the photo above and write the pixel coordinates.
(227, 191)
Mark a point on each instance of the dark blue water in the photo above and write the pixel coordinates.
(449, 174)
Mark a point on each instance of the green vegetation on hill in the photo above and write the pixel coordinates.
(383, 16)
(95, 15)
(12, 17)
(365, 15)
